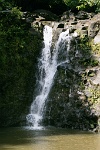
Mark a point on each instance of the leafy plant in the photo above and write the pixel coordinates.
(16, 12)
(18, 53)
(83, 4)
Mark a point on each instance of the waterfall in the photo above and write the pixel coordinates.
(47, 66)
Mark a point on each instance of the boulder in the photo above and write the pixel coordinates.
(97, 38)
(94, 28)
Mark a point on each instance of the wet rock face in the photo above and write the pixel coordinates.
(68, 104)
(94, 28)
(84, 23)
(74, 100)
(97, 38)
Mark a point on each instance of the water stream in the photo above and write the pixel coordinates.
(48, 139)
(47, 66)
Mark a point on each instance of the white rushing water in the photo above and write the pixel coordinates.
(47, 68)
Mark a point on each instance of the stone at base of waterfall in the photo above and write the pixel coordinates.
(97, 79)
(97, 38)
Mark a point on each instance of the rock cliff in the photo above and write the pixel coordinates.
(74, 100)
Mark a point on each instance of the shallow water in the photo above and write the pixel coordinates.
(48, 139)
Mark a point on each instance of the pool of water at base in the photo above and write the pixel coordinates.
(25, 138)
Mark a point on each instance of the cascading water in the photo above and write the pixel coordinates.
(48, 64)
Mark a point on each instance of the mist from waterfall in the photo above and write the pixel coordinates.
(48, 63)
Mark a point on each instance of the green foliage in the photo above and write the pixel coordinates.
(95, 94)
(85, 49)
(16, 12)
(83, 4)
(88, 3)
(6, 4)
(18, 53)
(69, 4)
